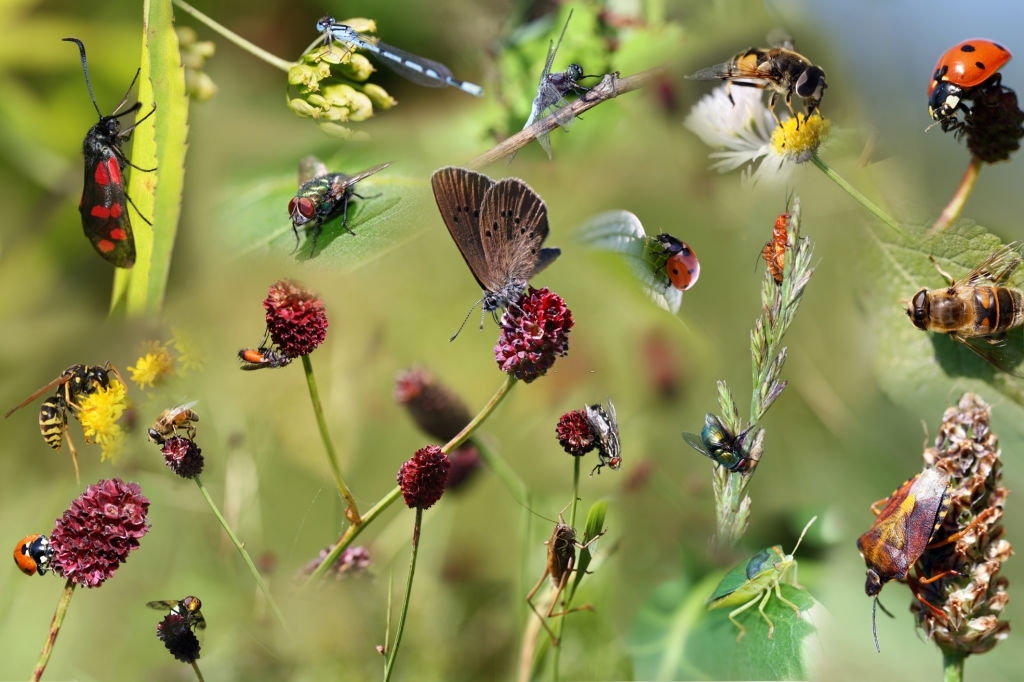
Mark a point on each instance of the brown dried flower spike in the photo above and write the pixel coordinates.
(969, 601)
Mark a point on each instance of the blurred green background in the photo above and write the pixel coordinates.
(835, 441)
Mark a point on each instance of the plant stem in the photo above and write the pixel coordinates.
(352, 509)
(352, 532)
(234, 37)
(245, 555)
(952, 666)
(199, 675)
(857, 196)
(484, 413)
(55, 623)
(393, 653)
(611, 86)
(959, 198)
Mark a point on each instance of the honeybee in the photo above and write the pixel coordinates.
(782, 69)
(978, 309)
(187, 608)
(169, 421)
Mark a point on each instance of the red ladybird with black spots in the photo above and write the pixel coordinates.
(963, 71)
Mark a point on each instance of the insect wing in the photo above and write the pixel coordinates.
(310, 168)
(62, 379)
(362, 175)
(513, 226)
(997, 268)
(737, 68)
(694, 441)
(459, 194)
(104, 212)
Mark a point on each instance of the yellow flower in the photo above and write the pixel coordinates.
(189, 356)
(100, 412)
(153, 366)
(799, 138)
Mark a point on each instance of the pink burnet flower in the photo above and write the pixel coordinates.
(575, 434)
(182, 456)
(423, 477)
(534, 333)
(296, 319)
(99, 529)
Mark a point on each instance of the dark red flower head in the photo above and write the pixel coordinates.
(574, 433)
(94, 536)
(433, 406)
(995, 125)
(175, 632)
(422, 478)
(183, 456)
(534, 332)
(296, 319)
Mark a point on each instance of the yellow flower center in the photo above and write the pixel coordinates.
(800, 137)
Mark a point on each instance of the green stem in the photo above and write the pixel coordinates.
(199, 675)
(857, 196)
(467, 431)
(393, 653)
(958, 200)
(233, 37)
(352, 510)
(51, 638)
(352, 532)
(245, 555)
(952, 666)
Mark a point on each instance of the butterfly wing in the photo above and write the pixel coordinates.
(459, 194)
(513, 227)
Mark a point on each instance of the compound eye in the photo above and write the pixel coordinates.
(918, 310)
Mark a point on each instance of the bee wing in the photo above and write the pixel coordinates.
(996, 352)
(780, 37)
(163, 604)
(175, 411)
(62, 379)
(997, 268)
(734, 69)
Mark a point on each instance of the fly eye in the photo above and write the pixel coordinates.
(301, 209)
(918, 310)
(811, 83)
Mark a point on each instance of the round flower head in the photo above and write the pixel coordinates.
(433, 406)
(296, 319)
(995, 125)
(95, 534)
(574, 433)
(422, 478)
(182, 456)
(534, 332)
(176, 634)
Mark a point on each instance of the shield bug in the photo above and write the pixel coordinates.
(561, 563)
(902, 532)
(104, 212)
(715, 441)
(754, 581)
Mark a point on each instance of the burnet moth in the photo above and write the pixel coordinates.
(103, 206)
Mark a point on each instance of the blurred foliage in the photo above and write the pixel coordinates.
(841, 437)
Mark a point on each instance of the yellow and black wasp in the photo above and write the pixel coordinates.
(73, 385)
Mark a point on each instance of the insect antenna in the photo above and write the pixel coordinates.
(464, 321)
(85, 69)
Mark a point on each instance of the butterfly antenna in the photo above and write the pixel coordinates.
(465, 320)
(85, 69)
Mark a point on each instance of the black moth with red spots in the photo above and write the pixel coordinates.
(103, 208)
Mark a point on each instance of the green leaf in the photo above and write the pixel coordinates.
(255, 217)
(622, 232)
(911, 365)
(160, 143)
(594, 527)
(676, 637)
